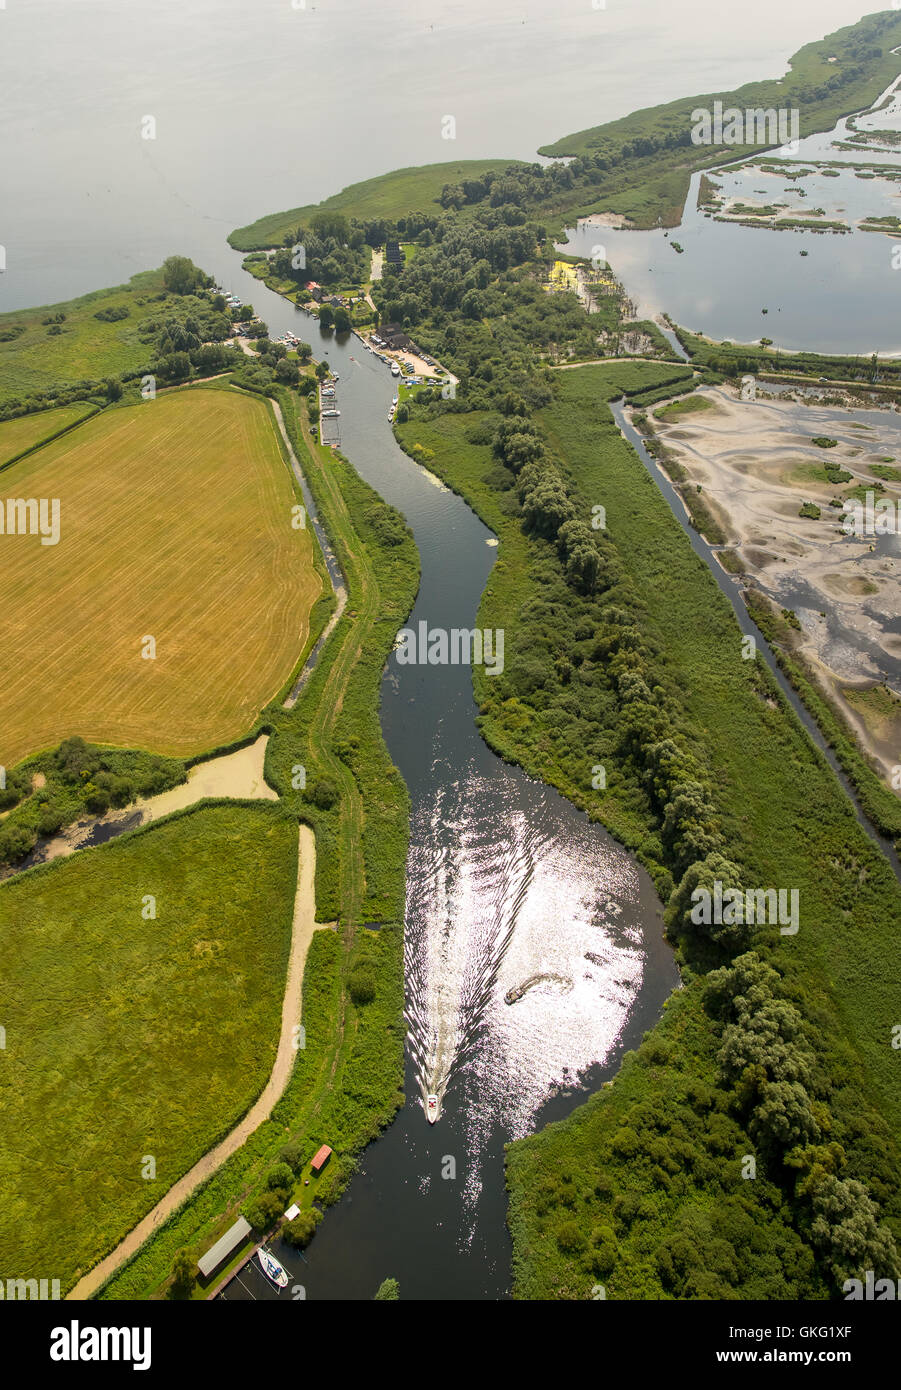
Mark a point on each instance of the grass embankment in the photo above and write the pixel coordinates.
(391, 196)
(175, 524)
(347, 1080)
(650, 153)
(646, 1175)
(512, 727)
(130, 1039)
(691, 405)
(28, 432)
(849, 373)
(880, 805)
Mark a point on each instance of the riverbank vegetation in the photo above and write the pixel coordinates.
(621, 652)
(871, 376)
(642, 1189)
(386, 200)
(142, 985)
(53, 789)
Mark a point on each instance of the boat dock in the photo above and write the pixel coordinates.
(329, 414)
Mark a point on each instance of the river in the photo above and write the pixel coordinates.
(506, 882)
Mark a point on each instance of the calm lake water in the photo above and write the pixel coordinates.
(268, 106)
(265, 106)
(743, 283)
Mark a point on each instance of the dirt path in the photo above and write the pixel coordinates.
(612, 361)
(301, 936)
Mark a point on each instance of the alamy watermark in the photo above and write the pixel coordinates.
(871, 1288)
(37, 1290)
(736, 907)
(78, 1343)
(457, 646)
(874, 516)
(31, 516)
(755, 126)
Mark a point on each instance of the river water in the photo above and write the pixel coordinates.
(507, 883)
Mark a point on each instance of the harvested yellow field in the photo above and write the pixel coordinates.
(176, 526)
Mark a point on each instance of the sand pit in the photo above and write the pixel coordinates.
(757, 465)
(238, 775)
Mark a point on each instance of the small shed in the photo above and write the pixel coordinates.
(321, 1158)
(224, 1246)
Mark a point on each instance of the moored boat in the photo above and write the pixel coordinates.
(272, 1269)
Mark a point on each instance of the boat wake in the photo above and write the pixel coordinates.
(467, 888)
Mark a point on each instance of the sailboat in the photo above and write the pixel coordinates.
(272, 1269)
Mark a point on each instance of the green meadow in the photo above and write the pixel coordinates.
(131, 1037)
(34, 358)
(651, 158)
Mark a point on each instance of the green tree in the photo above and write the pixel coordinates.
(262, 1211)
(293, 1155)
(182, 1275)
(846, 1228)
(281, 1178)
(181, 275)
(388, 1291)
(302, 1229)
(324, 793)
(361, 984)
(288, 372)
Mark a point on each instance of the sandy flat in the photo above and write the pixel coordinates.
(756, 464)
(238, 775)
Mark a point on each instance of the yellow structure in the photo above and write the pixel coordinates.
(564, 276)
